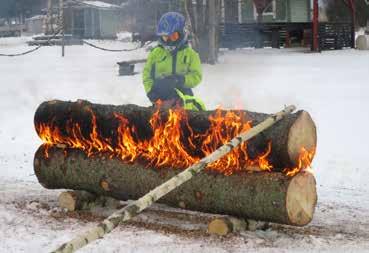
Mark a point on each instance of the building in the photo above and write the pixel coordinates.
(276, 23)
(244, 11)
(92, 19)
(260, 23)
(35, 24)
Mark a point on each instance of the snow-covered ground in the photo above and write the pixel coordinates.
(332, 86)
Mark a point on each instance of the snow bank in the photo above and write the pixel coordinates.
(331, 86)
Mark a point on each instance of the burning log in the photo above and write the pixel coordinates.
(176, 138)
(267, 196)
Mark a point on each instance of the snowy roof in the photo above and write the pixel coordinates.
(96, 4)
(101, 4)
(36, 17)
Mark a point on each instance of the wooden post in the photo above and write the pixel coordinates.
(147, 200)
(353, 13)
(315, 26)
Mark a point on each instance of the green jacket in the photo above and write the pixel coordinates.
(160, 64)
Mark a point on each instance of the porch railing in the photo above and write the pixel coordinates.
(276, 35)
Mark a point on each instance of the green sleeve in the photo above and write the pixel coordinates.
(146, 75)
(194, 76)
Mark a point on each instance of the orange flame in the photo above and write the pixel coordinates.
(304, 162)
(166, 146)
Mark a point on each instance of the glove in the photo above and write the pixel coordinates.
(179, 81)
(174, 81)
(163, 89)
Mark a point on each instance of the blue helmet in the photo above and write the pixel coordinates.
(171, 22)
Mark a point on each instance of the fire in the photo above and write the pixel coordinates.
(168, 146)
(221, 131)
(304, 162)
(165, 147)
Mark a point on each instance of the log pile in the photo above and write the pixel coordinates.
(268, 196)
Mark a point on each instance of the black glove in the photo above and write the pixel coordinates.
(174, 81)
(163, 88)
(179, 81)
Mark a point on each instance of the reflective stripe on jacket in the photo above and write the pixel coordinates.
(191, 102)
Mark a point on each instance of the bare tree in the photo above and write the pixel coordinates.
(204, 19)
(48, 21)
(213, 50)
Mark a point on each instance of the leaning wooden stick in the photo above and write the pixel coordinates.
(139, 205)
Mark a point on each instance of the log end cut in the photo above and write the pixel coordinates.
(67, 200)
(301, 199)
(75, 200)
(225, 225)
(219, 227)
(302, 134)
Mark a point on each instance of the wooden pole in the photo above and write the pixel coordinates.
(315, 26)
(147, 200)
(353, 17)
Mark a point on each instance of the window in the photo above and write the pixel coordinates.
(270, 10)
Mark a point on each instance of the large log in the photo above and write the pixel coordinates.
(267, 196)
(287, 137)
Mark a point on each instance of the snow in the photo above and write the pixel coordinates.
(124, 36)
(331, 86)
(36, 17)
(101, 4)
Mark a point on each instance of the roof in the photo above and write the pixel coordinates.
(95, 4)
(37, 17)
(100, 4)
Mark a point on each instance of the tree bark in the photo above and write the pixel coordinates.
(287, 137)
(191, 23)
(213, 50)
(265, 196)
(49, 18)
